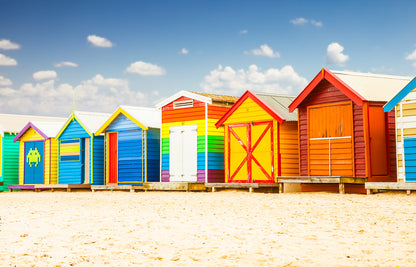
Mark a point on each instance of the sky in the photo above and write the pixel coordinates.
(102, 54)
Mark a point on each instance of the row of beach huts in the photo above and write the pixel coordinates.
(346, 132)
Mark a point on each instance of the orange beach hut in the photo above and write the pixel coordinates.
(343, 130)
(261, 139)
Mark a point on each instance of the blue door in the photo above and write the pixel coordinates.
(410, 159)
(34, 162)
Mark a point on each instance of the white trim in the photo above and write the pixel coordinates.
(188, 94)
(206, 143)
(330, 138)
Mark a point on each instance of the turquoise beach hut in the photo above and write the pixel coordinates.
(80, 151)
(10, 126)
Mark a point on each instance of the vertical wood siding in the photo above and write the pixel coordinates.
(97, 160)
(10, 161)
(289, 149)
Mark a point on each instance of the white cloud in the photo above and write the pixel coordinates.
(299, 21)
(243, 32)
(334, 55)
(8, 45)
(7, 61)
(98, 94)
(45, 75)
(5, 82)
(65, 64)
(226, 80)
(184, 51)
(316, 23)
(264, 50)
(145, 69)
(303, 21)
(99, 41)
(412, 57)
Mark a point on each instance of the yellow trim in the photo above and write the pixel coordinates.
(114, 116)
(72, 118)
(145, 156)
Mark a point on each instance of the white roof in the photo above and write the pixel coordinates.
(13, 123)
(149, 117)
(373, 87)
(49, 128)
(188, 94)
(91, 120)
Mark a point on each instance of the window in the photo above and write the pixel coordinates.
(69, 150)
(183, 104)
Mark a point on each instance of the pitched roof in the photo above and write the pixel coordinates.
(46, 129)
(400, 95)
(90, 121)
(359, 87)
(203, 97)
(276, 105)
(143, 117)
(14, 123)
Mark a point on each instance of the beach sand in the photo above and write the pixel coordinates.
(225, 228)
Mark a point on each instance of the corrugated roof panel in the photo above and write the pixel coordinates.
(92, 120)
(149, 117)
(14, 123)
(280, 104)
(373, 87)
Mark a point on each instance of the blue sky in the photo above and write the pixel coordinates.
(107, 53)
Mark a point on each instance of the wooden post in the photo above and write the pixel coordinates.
(368, 191)
(212, 189)
(281, 188)
(68, 189)
(408, 192)
(250, 189)
(341, 188)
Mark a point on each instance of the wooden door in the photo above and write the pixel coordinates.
(330, 144)
(34, 163)
(410, 159)
(378, 141)
(112, 158)
(183, 154)
(250, 153)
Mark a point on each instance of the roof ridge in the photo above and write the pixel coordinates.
(371, 75)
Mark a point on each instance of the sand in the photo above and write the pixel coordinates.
(225, 228)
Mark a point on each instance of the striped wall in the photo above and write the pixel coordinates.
(405, 112)
(195, 115)
(9, 161)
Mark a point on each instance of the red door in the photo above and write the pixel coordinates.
(378, 141)
(112, 158)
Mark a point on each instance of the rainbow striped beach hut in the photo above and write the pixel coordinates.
(192, 147)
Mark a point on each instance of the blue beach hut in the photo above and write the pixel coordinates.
(132, 146)
(81, 152)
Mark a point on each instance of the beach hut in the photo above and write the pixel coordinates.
(81, 153)
(10, 126)
(343, 130)
(132, 146)
(261, 139)
(38, 153)
(404, 107)
(192, 147)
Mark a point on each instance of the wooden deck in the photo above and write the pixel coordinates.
(115, 187)
(52, 187)
(341, 180)
(408, 187)
(250, 186)
(165, 186)
(175, 186)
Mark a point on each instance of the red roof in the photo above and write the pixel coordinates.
(325, 74)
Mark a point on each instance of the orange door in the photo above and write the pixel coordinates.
(112, 158)
(378, 141)
(250, 153)
(331, 148)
